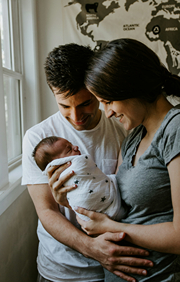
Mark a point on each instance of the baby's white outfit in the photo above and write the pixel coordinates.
(96, 191)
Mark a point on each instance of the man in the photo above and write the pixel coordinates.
(65, 252)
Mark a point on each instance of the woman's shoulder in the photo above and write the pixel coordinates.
(168, 137)
(172, 121)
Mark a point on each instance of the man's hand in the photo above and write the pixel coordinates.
(117, 259)
(58, 190)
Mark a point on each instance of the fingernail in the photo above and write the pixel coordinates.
(121, 234)
(68, 163)
(72, 172)
(144, 272)
(150, 264)
(75, 185)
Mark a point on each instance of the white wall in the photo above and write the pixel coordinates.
(18, 241)
(50, 35)
(32, 107)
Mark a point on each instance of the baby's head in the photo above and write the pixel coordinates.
(51, 148)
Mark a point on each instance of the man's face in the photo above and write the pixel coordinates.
(81, 109)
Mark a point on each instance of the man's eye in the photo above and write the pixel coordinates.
(108, 103)
(87, 104)
(64, 107)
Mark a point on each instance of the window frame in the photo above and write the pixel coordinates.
(16, 71)
(19, 76)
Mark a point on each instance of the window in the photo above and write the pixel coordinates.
(12, 78)
(19, 95)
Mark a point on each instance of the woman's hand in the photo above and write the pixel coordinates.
(59, 191)
(98, 223)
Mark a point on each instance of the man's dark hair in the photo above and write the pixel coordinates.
(41, 156)
(65, 68)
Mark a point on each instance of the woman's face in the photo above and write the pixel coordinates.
(130, 112)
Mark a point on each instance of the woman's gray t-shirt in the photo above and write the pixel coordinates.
(145, 188)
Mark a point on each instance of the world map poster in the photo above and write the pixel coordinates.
(154, 23)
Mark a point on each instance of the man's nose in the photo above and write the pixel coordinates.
(76, 114)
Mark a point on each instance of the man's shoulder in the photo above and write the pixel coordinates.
(46, 122)
(44, 128)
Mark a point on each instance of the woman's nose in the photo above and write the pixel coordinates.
(109, 113)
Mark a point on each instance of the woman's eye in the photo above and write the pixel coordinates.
(108, 103)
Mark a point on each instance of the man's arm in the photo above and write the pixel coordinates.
(115, 258)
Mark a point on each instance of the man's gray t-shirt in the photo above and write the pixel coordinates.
(146, 191)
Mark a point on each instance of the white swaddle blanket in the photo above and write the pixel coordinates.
(95, 190)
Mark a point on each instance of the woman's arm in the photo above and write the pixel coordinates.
(162, 237)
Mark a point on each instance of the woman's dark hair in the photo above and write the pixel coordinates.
(126, 68)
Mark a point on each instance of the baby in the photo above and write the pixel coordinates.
(95, 190)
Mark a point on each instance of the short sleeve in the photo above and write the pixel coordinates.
(171, 140)
(31, 174)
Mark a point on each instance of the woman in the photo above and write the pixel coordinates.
(132, 84)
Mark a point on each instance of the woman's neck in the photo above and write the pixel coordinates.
(154, 118)
(156, 114)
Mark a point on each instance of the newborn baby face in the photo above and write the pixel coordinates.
(63, 148)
